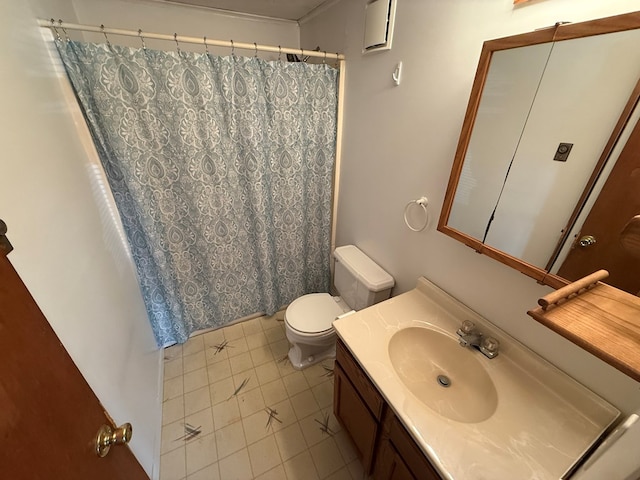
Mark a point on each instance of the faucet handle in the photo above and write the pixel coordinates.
(490, 346)
(467, 327)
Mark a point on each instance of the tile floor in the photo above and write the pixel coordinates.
(234, 408)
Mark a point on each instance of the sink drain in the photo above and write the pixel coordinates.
(444, 381)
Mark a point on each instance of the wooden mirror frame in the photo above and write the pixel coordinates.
(558, 32)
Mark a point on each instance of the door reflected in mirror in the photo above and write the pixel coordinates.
(514, 193)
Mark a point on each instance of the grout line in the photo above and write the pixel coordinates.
(184, 444)
(213, 420)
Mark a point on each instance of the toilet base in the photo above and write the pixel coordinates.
(302, 359)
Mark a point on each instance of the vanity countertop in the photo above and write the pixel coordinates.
(544, 420)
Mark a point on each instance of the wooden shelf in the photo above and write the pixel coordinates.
(603, 320)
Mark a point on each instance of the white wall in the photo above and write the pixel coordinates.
(69, 245)
(154, 16)
(68, 249)
(399, 144)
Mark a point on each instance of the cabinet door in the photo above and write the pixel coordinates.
(389, 464)
(399, 471)
(412, 457)
(355, 417)
(367, 391)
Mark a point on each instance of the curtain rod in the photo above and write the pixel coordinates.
(184, 39)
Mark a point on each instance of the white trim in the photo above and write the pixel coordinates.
(157, 442)
(323, 7)
(339, 134)
(227, 13)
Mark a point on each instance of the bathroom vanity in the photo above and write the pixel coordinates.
(373, 426)
(512, 416)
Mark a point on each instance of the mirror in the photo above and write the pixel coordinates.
(548, 118)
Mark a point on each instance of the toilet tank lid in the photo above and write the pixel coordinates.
(363, 268)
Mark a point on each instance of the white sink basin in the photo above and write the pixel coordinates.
(449, 379)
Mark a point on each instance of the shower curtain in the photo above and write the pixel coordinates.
(221, 169)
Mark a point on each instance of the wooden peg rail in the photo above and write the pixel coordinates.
(597, 317)
(573, 289)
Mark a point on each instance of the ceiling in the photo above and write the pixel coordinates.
(287, 9)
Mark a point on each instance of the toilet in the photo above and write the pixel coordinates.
(360, 282)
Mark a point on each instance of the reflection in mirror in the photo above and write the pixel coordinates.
(607, 232)
(509, 92)
(508, 197)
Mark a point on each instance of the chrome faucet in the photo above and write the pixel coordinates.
(470, 336)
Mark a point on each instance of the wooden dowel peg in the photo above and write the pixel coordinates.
(571, 289)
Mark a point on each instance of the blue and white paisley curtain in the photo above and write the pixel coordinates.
(221, 168)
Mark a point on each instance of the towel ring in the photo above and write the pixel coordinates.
(423, 202)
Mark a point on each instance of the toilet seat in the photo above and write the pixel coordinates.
(313, 314)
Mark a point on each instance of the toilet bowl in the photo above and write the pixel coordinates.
(309, 318)
(308, 326)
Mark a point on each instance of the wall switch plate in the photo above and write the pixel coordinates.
(562, 153)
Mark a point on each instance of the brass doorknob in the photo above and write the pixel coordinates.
(107, 436)
(587, 240)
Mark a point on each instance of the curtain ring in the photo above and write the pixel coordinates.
(233, 49)
(324, 60)
(66, 35)
(144, 47)
(206, 47)
(105, 35)
(279, 53)
(255, 45)
(175, 39)
(53, 26)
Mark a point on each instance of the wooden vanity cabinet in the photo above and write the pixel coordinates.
(357, 405)
(400, 458)
(386, 448)
(390, 465)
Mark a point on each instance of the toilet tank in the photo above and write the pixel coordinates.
(359, 280)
